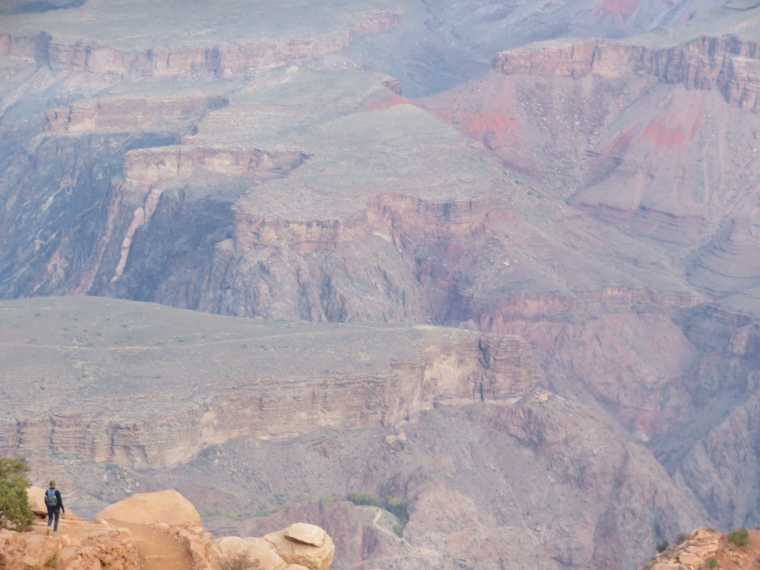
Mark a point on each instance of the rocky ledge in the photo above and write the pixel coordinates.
(707, 548)
(151, 531)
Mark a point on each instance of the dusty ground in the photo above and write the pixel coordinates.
(157, 548)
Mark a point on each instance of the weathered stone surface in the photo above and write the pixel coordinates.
(78, 545)
(257, 553)
(306, 533)
(300, 553)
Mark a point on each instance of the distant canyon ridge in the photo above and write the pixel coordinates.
(499, 260)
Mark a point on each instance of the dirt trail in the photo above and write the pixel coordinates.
(158, 549)
(378, 514)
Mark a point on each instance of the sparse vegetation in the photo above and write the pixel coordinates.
(240, 561)
(15, 513)
(738, 538)
(209, 512)
(391, 504)
(364, 499)
(663, 546)
(330, 498)
(397, 507)
(712, 562)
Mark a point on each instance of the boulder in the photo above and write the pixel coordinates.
(296, 551)
(168, 507)
(306, 533)
(36, 497)
(247, 554)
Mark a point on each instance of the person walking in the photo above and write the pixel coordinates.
(54, 504)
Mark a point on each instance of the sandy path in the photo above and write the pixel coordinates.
(158, 549)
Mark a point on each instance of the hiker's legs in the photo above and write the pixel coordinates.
(51, 511)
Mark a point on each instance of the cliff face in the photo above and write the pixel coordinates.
(727, 63)
(445, 369)
(182, 60)
(533, 488)
(132, 114)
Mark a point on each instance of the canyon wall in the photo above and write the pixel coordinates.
(442, 370)
(727, 63)
(219, 61)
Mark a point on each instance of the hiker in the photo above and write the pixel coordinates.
(54, 504)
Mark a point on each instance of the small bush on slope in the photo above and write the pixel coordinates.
(14, 502)
(739, 537)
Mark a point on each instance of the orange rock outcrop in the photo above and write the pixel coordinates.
(707, 548)
(152, 531)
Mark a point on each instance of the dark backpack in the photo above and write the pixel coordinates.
(50, 499)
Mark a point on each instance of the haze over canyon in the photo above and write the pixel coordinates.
(497, 259)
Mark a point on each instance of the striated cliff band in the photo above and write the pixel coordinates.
(169, 397)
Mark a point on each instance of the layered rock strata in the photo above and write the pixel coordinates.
(728, 63)
(121, 114)
(184, 59)
(274, 392)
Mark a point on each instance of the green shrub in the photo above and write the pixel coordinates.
(392, 504)
(15, 513)
(363, 499)
(397, 507)
(330, 499)
(663, 546)
(739, 537)
(712, 562)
